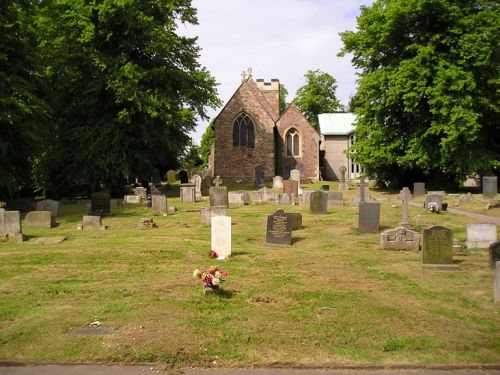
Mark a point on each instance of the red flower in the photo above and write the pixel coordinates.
(213, 254)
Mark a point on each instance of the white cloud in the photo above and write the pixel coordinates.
(277, 39)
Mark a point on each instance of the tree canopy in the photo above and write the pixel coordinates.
(427, 99)
(317, 96)
(207, 140)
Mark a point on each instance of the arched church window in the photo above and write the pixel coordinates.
(292, 143)
(243, 131)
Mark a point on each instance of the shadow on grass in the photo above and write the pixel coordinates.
(238, 253)
(297, 239)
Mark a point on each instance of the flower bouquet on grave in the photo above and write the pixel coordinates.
(211, 278)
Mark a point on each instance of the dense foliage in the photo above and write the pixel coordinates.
(122, 87)
(283, 94)
(317, 96)
(427, 100)
(207, 140)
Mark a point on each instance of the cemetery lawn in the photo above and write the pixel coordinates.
(332, 298)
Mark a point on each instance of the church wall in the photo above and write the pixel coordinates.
(238, 163)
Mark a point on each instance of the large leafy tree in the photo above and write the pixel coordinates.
(125, 88)
(427, 99)
(317, 96)
(207, 140)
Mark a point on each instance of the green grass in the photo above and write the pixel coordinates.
(334, 297)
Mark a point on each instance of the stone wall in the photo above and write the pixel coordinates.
(335, 156)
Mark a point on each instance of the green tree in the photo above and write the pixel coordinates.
(125, 88)
(207, 140)
(317, 96)
(283, 95)
(427, 100)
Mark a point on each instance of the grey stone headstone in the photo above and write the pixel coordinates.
(219, 197)
(267, 194)
(400, 239)
(257, 197)
(305, 197)
(141, 192)
(206, 184)
(171, 177)
(221, 236)
(116, 203)
(187, 193)
(92, 222)
(481, 235)
(434, 198)
(48, 205)
(284, 199)
(159, 204)
(318, 203)
(437, 245)
(39, 219)
(301, 169)
(10, 222)
(235, 199)
(369, 217)
(494, 251)
(196, 179)
(296, 219)
(277, 182)
(100, 204)
(279, 229)
(343, 184)
(183, 176)
(335, 198)
(135, 199)
(405, 196)
(418, 189)
(295, 175)
(490, 186)
(209, 212)
(259, 177)
(291, 187)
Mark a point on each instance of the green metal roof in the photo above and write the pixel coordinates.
(336, 123)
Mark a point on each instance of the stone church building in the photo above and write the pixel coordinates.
(250, 132)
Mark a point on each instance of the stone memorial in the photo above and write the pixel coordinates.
(48, 205)
(259, 177)
(39, 219)
(481, 235)
(267, 194)
(343, 184)
(218, 194)
(171, 177)
(183, 176)
(134, 199)
(418, 189)
(284, 199)
(159, 204)
(295, 175)
(92, 222)
(433, 200)
(221, 236)
(244, 196)
(141, 191)
(10, 225)
(335, 198)
(400, 239)
(196, 180)
(490, 186)
(494, 251)
(296, 219)
(208, 213)
(291, 187)
(187, 193)
(318, 204)
(405, 196)
(235, 199)
(100, 204)
(496, 292)
(277, 182)
(302, 169)
(368, 217)
(279, 229)
(363, 190)
(305, 197)
(257, 197)
(115, 203)
(206, 184)
(437, 246)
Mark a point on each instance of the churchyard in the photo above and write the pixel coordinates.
(334, 296)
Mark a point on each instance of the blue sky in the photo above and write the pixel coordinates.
(276, 38)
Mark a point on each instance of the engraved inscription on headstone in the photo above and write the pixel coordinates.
(279, 229)
(100, 204)
(437, 245)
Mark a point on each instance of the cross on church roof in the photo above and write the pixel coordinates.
(243, 76)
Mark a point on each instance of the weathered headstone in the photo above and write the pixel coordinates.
(318, 204)
(171, 177)
(100, 204)
(48, 205)
(259, 177)
(235, 199)
(92, 222)
(464, 198)
(481, 235)
(291, 187)
(218, 194)
(437, 245)
(267, 194)
(279, 229)
(221, 236)
(244, 196)
(209, 212)
(39, 219)
(206, 184)
(284, 199)
(363, 190)
(257, 197)
(115, 203)
(140, 191)
(295, 175)
(183, 176)
(296, 219)
(343, 184)
(400, 239)
(305, 197)
(418, 189)
(405, 196)
(490, 186)
(433, 200)
(335, 198)
(277, 182)
(10, 224)
(196, 179)
(301, 168)
(368, 217)
(135, 199)
(496, 292)
(494, 253)
(187, 193)
(159, 204)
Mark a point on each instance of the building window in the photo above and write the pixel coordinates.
(292, 143)
(243, 131)
(354, 168)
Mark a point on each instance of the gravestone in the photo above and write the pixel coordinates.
(363, 190)
(206, 184)
(267, 194)
(433, 199)
(295, 175)
(135, 199)
(141, 192)
(187, 193)
(277, 182)
(48, 205)
(494, 251)
(236, 199)
(257, 197)
(92, 222)
(305, 197)
(39, 219)
(116, 203)
(10, 224)
(284, 199)
(418, 189)
(221, 236)
(318, 204)
(183, 176)
(196, 180)
(464, 198)
(368, 217)
(405, 196)
(296, 219)
(208, 213)
(496, 292)
(481, 235)
(279, 229)
(146, 224)
(244, 196)
(343, 184)
(171, 177)
(437, 245)
(302, 169)
(218, 194)
(159, 204)
(259, 177)
(100, 204)
(400, 239)
(490, 186)
(335, 198)
(291, 187)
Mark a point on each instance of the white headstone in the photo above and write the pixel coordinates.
(295, 175)
(277, 182)
(221, 236)
(196, 179)
(136, 199)
(481, 235)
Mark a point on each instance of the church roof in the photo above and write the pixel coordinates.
(336, 123)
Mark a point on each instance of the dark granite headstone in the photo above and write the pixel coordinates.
(369, 217)
(100, 204)
(296, 219)
(183, 175)
(259, 177)
(206, 184)
(318, 204)
(279, 229)
(437, 245)
(494, 253)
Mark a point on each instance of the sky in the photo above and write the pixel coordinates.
(280, 39)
